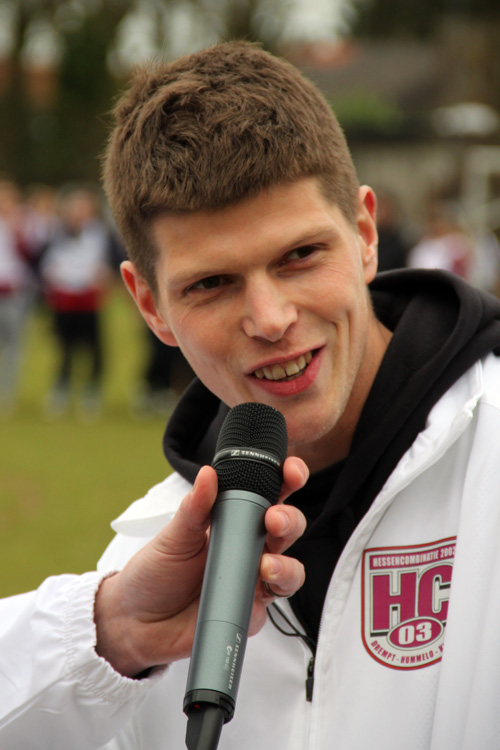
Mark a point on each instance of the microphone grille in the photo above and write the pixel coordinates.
(252, 425)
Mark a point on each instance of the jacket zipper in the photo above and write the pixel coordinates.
(310, 680)
(295, 633)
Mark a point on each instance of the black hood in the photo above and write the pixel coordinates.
(191, 434)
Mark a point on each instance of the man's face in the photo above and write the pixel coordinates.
(267, 300)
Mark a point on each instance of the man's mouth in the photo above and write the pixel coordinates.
(285, 370)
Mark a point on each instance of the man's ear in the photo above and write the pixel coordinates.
(367, 229)
(145, 301)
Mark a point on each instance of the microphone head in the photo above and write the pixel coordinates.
(251, 449)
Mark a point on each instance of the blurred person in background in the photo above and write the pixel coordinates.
(446, 244)
(16, 291)
(41, 224)
(155, 393)
(393, 241)
(75, 271)
(487, 267)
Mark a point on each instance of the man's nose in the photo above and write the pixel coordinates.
(269, 312)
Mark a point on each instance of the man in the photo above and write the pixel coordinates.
(251, 247)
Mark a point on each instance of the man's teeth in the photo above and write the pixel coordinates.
(286, 370)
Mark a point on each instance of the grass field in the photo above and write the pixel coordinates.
(63, 481)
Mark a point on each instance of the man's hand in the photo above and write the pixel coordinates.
(146, 614)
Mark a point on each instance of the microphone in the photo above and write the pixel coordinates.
(250, 452)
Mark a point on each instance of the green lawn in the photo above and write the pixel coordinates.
(63, 481)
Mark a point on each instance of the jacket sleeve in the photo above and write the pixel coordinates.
(55, 691)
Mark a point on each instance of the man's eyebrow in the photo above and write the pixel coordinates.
(312, 235)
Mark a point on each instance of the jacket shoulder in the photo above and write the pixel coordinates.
(143, 519)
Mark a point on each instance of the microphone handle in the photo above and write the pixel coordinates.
(236, 544)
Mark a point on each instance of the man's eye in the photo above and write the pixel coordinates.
(300, 252)
(210, 282)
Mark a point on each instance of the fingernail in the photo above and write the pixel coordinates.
(285, 521)
(274, 567)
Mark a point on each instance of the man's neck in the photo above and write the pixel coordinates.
(335, 445)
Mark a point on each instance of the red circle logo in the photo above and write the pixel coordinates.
(416, 633)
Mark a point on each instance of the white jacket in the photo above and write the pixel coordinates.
(389, 672)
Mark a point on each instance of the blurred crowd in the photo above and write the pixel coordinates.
(59, 250)
(444, 240)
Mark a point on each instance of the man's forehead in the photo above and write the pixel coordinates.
(293, 205)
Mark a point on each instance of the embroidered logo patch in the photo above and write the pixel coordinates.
(405, 593)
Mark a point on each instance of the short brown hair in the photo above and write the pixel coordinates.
(213, 128)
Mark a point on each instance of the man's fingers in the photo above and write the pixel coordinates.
(295, 475)
(198, 503)
(284, 524)
(192, 519)
(284, 575)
